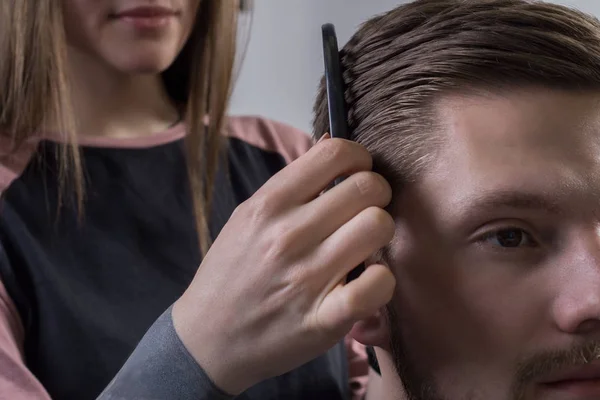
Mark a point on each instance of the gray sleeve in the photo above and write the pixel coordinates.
(161, 368)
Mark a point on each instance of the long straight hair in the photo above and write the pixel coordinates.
(34, 90)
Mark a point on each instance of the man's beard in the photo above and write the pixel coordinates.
(420, 385)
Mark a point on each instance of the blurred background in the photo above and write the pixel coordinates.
(283, 61)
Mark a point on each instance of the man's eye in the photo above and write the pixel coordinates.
(509, 238)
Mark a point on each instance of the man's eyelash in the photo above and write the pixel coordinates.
(516, 238)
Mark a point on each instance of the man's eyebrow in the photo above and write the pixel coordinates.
(512, 199)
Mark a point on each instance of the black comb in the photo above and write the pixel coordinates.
(338, 124)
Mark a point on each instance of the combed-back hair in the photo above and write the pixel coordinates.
(399, 63)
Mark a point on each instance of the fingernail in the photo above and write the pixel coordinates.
(324, 137)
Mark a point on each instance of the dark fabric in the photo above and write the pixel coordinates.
(87, 289)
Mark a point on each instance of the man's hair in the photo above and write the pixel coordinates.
(399, 63)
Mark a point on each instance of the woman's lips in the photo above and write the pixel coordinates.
(146, 12)
(147, 17)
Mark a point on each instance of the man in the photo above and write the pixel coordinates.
(485, 118)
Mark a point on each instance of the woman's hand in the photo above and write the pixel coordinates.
(270, 294)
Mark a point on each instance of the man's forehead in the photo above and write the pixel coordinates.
(535, 119)
(527, 149)
(520, 132)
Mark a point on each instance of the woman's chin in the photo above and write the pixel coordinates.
(142, 62)
(145, 67)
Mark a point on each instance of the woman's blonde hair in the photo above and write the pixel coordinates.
(34, 89)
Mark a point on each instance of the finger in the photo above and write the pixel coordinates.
(307, 176)
(324, 137)
(356, 240)
(361, 298)
(328, 212)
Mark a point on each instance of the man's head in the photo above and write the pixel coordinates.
(485, 117)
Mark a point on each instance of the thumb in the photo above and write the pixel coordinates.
(358, 299)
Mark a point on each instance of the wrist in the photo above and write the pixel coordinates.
(223, 366)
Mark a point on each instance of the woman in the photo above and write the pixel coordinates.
(116, 177)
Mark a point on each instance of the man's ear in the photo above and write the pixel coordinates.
(373, 330)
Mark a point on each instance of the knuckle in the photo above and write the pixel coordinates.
(281, 241)
(371, 185)
(258, 208)
(241, 211)
(346, 154)
(334, 150)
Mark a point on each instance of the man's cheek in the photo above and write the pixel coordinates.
(450, 319)
(505, 304)
(448, 348)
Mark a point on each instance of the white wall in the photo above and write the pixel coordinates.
(284, 62)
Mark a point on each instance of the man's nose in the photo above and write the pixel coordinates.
(576, 308)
